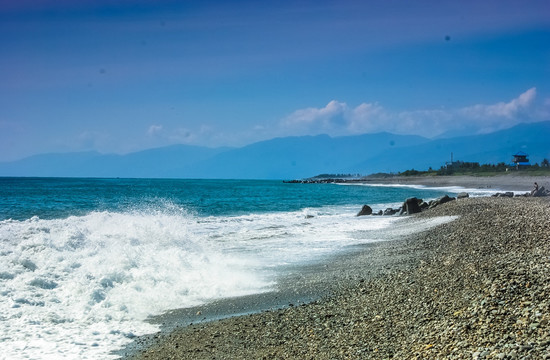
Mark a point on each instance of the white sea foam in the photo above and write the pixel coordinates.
(80, 287)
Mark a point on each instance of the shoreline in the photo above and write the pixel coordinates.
(508, 182)
(299, 285)
(368, 280)
(498, 182)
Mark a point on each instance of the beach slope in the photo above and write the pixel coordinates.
(475, 287)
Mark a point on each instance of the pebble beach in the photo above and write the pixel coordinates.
(476, 287)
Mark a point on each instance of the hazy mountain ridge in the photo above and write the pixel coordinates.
(158, 162)
(499, 146)
(294, 157)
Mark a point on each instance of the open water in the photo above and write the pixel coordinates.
(84, 262)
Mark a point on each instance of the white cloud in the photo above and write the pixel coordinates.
(367, 118)
(508, 110)
(423, 122)
(182, 135)
(337, 118)
(154, 130)
(315, 118)
(488, 118)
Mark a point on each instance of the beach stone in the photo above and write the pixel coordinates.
(505, 194)
(541, 192)
(390, 211)
(411, 206)
(463, 195)
(445, 199)
(442, 200)
(365, 210)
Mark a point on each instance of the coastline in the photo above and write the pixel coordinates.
(299, 286)
(497, 182)
(386, 299)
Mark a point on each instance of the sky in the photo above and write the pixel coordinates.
(123, 76)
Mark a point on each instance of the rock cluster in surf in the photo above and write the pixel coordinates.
(411, 206)
(415, 205)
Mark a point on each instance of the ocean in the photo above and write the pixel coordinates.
(84, 262)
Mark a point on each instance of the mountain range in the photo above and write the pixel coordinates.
(294, 157)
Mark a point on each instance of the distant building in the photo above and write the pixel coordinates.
(450, 165)
(520, 161)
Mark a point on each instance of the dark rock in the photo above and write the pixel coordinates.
(390, 211)
(365, 210)
(463, 195)
(541, 192)
(506, 194)
(444, 199)
(411, 206)
(441, 200)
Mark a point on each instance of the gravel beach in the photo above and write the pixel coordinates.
(474, 288)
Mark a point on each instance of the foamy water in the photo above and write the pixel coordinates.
(101, 275)
(474, 192)
(80, 287)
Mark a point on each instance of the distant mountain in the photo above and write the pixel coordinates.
(298, 157)
(294, 157)
(496, 147)
(169, 161)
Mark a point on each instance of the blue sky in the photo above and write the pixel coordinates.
(121, 76)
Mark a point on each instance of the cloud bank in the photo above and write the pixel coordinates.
(338, 118)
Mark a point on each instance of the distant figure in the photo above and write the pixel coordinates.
(535, 189)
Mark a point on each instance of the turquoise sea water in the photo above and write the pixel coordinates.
(84, 262)
(51, 198)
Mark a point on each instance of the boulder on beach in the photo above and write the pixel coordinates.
(411, 206)
(506, 194)
(463, 195)
(365, 210)
(442, 200)
(541, 192)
